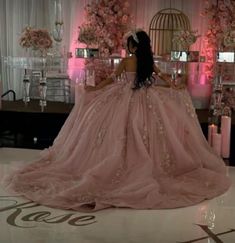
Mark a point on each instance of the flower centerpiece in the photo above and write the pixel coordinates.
(37, 39)
(185, 38)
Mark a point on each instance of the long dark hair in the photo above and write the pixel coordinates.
(144, 56)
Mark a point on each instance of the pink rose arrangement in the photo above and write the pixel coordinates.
(185, 38)
(106, 23)
(38, 39)
(220, 32)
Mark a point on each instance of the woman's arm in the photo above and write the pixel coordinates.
(167, 79)
(161, 75)
(120, 68)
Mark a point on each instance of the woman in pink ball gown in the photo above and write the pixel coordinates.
(127, 143)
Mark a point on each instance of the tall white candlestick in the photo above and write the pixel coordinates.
(216, 143)
(225, 131)
(211, 130)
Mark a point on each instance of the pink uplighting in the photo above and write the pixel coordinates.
(202, 79)
(75, 65)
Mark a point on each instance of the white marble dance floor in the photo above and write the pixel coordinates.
(22, 221)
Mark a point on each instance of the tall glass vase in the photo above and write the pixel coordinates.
(58, 36)
(43, 92)
(26, 87)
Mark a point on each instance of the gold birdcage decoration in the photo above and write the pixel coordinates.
(162, 28)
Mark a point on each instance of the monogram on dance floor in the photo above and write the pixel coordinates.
(22, 213)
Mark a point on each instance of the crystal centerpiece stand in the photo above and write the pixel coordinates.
(30, 64)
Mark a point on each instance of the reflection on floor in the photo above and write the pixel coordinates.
(23, 221)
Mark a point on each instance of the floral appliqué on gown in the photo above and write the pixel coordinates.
(120, 147)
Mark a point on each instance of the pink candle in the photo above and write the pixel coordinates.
(76, 90)
(225, 131)
(123, 53)
(216, 143)
(90, 77)
(211, 130)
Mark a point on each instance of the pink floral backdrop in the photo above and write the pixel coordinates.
(220, 36)
(106, 22)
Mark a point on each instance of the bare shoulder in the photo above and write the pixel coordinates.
(125, 60)
(129, 64)
(130, 58)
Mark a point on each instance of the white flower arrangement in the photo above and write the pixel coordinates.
(229, 38)
(185, 38)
